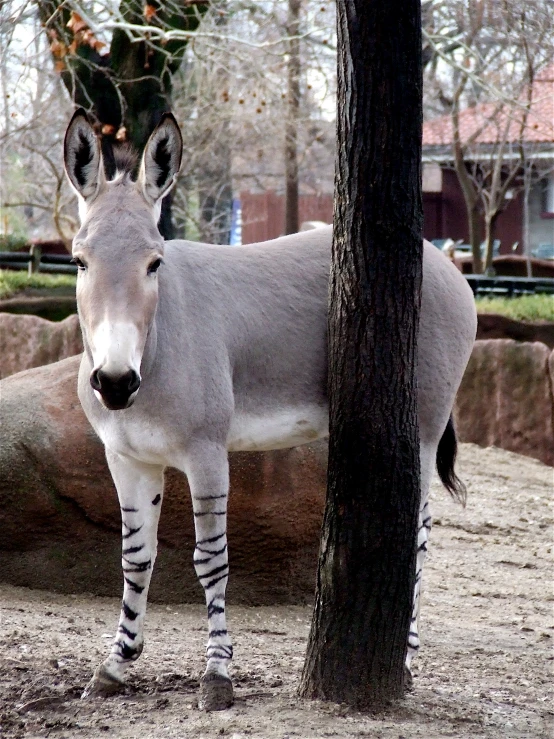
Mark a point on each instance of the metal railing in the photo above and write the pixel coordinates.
(510, 286)
(35, 261)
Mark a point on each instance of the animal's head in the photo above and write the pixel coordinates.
(118, 251)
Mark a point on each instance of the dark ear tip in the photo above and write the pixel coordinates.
(79, 113)
(168, 117)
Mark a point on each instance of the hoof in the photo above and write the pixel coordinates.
(216, 693)
(102, 684)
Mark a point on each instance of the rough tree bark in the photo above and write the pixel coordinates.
(358, 640)
(128, 89)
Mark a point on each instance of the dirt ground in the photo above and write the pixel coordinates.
(487, 631)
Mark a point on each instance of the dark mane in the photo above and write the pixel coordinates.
(125, 159)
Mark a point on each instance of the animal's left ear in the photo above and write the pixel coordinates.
(161, 159)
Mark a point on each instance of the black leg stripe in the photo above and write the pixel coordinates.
(210, 497)
(213, 610)
(210, 513)
(213, 552)
(137, 566)
(131, 531)
(217, 632)
(133, 585)
(212, 539)
(129, 613)
(215, 581)
(124, 630)
(127, 653)
(130, 510)
(133, 550)
(220, 650)
(215, 571)
(157, 499)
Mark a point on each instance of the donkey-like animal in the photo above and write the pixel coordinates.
(193, 350)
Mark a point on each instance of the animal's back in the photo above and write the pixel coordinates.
(265, 306)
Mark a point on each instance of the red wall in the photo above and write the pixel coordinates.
(445, 216)
(263, 214)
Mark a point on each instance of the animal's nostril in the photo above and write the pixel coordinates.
(95, 380)
(134, 381)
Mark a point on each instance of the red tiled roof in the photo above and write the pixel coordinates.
(539, 127)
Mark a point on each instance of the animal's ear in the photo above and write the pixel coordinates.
(161, 159)
(82, 156)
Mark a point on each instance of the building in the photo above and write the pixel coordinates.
(444, 206)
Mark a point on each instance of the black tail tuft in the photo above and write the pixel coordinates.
(446, 457)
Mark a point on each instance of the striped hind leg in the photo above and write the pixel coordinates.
(207, 470)
(424, 528)
(140, 489)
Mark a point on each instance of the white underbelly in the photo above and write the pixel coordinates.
(280, 429)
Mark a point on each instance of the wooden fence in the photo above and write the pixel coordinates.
(263, 214)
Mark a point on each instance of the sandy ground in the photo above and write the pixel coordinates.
(487, 630)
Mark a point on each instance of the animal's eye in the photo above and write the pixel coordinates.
(80, 264)
(153, 268)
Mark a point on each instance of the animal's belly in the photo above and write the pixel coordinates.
(278, 429)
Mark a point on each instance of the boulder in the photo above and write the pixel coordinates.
(59, 515)
(494, 326)
(505, 398)
(27, 341)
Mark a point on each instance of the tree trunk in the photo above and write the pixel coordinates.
(490, 228)
(292, 224)
(474, 224)
(358, 640)
(128, 89)
(527, 173)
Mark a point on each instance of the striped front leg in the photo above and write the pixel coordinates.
(140, 489)
(207, 470)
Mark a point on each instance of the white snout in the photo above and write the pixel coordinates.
(116, 347)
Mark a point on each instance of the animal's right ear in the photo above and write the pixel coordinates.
(82, 157)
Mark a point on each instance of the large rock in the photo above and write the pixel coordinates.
(28, 341)
(506, 398)
(494, 326)
(59, 516)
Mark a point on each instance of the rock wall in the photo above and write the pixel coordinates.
(28, 341)
(59, 516)
(494, 326)
(506, 398)
(60, 521)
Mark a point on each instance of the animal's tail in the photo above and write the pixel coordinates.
(446, 457)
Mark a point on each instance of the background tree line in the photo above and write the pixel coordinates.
(253, 86)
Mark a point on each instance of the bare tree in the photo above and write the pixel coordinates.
(484, 57)
(291, 127)
(34, 196)
(229, 93)
(127, 85)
